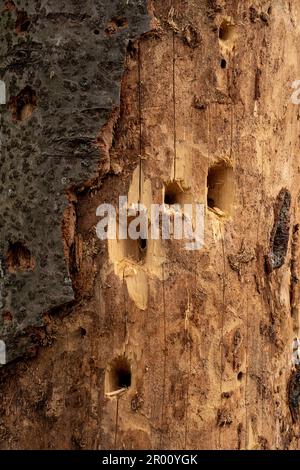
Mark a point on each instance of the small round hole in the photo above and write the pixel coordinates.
(82, 331)
(240, 376)
(223, 64)
(142, 244)
(121, 22)
(96, 31)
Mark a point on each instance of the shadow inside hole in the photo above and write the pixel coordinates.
(19, 258)
(116, 24)
(174, 194)
(223, 64)
(240, 376)
(226, 31)
(23, 105)
(142, 244)
(220, 188)
(22, 23)
(118, 375)
(170, 199)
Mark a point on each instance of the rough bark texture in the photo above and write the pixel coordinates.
(62, 65)
(207, 335)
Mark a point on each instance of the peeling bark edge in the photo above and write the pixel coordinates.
(66, 160)
(279, 239)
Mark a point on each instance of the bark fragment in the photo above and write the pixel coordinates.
(280, 233)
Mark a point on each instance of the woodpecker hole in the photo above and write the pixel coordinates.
(174, 194)
(223, 64)
(118, 375)
(23, 105)
(240, 376)
(22, 23)
(19, 258)
(220, 189)
(226, 31)
(115, 24)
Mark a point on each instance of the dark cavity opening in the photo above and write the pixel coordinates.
(220, 188)
(115, 24)
(82, 331)
(19, 258)
(143, 244)
(226, 31)
(135, 249)
(22, 23)
(240, 376)
(118, 375)
(173, 194)
(223, 64)
(23, 105)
